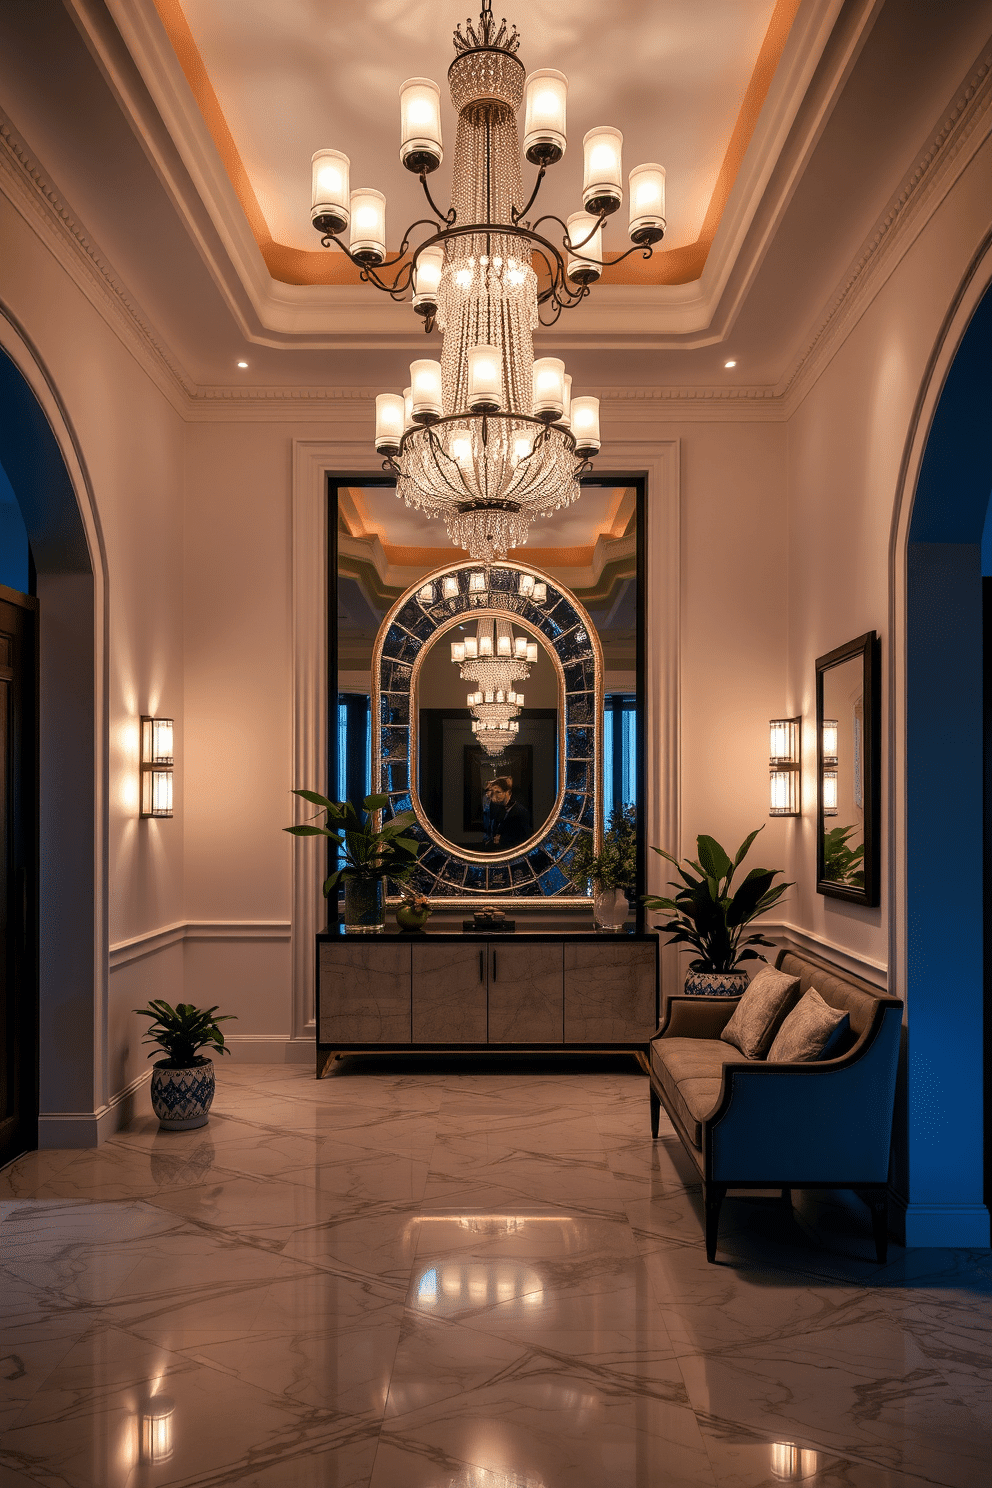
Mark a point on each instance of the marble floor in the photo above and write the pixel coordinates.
(414, 1275)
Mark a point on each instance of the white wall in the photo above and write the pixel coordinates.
(127, 443)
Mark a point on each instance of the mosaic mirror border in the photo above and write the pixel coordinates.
(566, 629)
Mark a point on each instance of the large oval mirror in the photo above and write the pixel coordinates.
(488, 735)
(486, 722)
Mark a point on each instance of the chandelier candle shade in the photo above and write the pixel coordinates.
(489, 445)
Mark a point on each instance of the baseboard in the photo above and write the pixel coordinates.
(940, 1226)
(270, 1048)
(90, 1128)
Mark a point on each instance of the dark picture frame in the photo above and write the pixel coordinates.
(866, 649)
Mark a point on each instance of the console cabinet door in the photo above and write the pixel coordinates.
(449, 993)
(364, 993)
(525, 994)
(610, 994)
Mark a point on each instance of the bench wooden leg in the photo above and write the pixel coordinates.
(878, 1203)
(712, 1199)
(655, 1113)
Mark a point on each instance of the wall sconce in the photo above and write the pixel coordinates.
(830, 741)
(830, 791)
(784, 766)
(156, 766)
(156, 1428)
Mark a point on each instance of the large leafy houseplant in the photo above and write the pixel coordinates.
(369, 851)
(707, 914)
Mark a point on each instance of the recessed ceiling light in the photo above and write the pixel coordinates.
(244, 365)
(726, 364)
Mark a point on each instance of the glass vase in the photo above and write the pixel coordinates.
(364, 906)
(610, 908)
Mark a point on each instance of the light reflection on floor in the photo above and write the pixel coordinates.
(463, 1280)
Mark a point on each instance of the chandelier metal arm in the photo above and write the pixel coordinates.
(519, 216)
(449, 218)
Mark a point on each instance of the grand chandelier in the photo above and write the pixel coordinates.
(488, 438)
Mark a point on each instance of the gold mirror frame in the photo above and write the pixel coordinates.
(397, 658)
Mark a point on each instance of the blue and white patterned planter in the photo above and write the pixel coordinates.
(181, 1098)
(715, 983)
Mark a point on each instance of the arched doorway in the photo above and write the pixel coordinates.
(948, 864)
(42, 463)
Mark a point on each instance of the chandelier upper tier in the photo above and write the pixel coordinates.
(488, 438)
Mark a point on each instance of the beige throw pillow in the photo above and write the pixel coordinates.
(813, 1030)
(757, 1017)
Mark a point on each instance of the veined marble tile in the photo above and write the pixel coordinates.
(85, 1424)
(545, 1422)
(457, 1275)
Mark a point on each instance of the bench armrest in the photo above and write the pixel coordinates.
(697, 1017)
(813, 1123)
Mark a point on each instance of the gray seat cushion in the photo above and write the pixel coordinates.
(690, 1071)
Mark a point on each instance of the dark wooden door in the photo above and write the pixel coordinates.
(18, 874)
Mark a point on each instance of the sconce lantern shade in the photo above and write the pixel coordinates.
(830, 740)
(157, 761)
(784, 766)
(585, 425)
(156, 1429)
(425, 384)
(830, 792)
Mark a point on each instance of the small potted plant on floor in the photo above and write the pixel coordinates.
(183, 1082)
(368, 854)
(613, 871)
(706, 915)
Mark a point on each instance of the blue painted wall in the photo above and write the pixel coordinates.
(13, 539)
(949, 545)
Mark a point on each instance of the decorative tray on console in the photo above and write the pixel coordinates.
(492, 921)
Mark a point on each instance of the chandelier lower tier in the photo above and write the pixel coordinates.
(488, 438)
(487, 477)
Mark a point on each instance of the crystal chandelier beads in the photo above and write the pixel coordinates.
(488, 460)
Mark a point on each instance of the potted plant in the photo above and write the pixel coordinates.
(843, 864)
(706, 915)
(613, 871)
(415, 910)
(182, 1082)
(370, 853)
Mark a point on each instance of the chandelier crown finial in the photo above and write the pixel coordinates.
(485, 34)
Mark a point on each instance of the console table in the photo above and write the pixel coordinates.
(476, 992)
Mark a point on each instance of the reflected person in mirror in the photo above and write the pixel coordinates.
(507, 822)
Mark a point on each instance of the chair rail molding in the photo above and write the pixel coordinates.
(658, 460)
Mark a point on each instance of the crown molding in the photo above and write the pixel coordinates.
(27, 186)
(965, 128)
(346, 317)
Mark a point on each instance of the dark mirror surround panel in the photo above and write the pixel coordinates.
(541, 870)
(848, 713)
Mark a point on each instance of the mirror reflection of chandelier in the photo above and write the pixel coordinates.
(495, 659)
(488, 438)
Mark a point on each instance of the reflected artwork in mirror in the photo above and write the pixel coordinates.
(847, 718)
